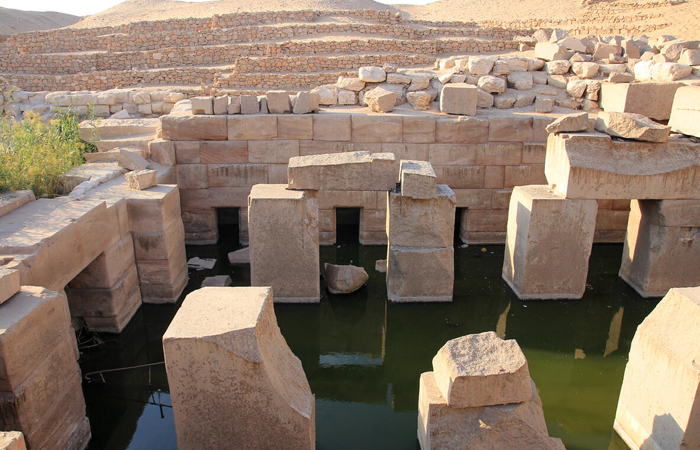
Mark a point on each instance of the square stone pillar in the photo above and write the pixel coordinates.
(659, 405)
(234, 382)
(548, 243)
(662, 246)
(283, 234)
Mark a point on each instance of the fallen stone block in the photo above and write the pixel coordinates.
(603, 51)
(669, 71)
(653, 100)
(131, 160)
(380, 100)
(459, 98)
(202, 105)
(480, 65)
(422, 223)
(685, 113)
(631, 126)
(197, 263)
(653, 410)
(217, 281)
(569, 123)
(418, 179)
(419, 100)
(557, 67)
(141, 179)
(549, 51)
(12, 440)
(351, 84)
(305, 102)
(521, 81)
(239, 257)
(547, 258)
(585, 69)
(420, 274)
(690, 57)
(345, 279)
(491, 84)
(9, 284)
(278, 102)
(372, 74)
(229, 336)
(352, 171)
(576, 88)
(380, 265)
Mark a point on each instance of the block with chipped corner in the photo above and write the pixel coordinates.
(660, 396)
(9, 284)
(459, 98)
(569, 123)
(229, 337)
(418, 274)
(631, 126)
(422, 223)
(685, 113)
(202, 105)
(653, 100)
(516, 425)
(660, 250)
(132, 160)
(380, 100)
(306, 102)
(352, 171)
(418, 179)
(12, 440)
(591, 165)
(141, 179)
(548, 243)
(283, 236)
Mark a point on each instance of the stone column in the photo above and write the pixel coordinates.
(662, 246)
(234, 382)
(283, 234)
(548, 243)
(659, 405)
(40, 382)
(420, 226)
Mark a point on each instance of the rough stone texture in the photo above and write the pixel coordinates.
(131, 160)
(283, 235)
(380, 100)
(352, 171)
(548, 243)
(422, 223)
(592, 166)
(278, 102)
(653, 100)
(194, 128)
(418, 274)
(550, 51)
(202, 105)
(239, 257)
(12, 440)
(459, 98)
(658, 404)
(10, 201)
(585, 69)
(141, 179)
(229, 337)
(372, 74)
(306, 102)
(345, 279)
(569, 123)
(418, 179)
(491, 84)
(660, 249)
(9, 284)
(482, 370)
(685, 113)
(631, 126)
(670, 71)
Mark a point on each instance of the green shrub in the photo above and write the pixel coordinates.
(34, 154)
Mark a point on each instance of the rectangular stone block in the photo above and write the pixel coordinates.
(473, 198)
(418, 179)
(162, 271)
(197, 221)
(548, 244)
(162, 152)
(283, 233)
(459, 98)
(372, 220)
(351, 199)
(10, 201)
(295, 127)
(462, 130)
(534, 153)
(510, 129)
(237, 175)
(332, 127)
(117, 323)
(658, 404)
(165, 293)
(327, 220)
(187, 152)
(376, 128)
(459, 177)
(343, 172)
(223, 152)
(192, 176)
(162, 245)
(524, 175)
(499, 154)
(490, 221)
(591, 165)
(249, 128)
(654, 100)
(407, 151)
(272, 151)
(9, 284)
(194, 128)
(494, 177)
(154, 210)
(307, 148)
(419, 222)
(419, 130)
(104, 271)
(416, 274)
(205, 199)
(685, 112)
(452, 154)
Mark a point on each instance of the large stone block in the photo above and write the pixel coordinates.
(593, 166)
(548, 243)
(418, 179)
(462, 130)
(194, 128)
(332, 127)
(482, 370)
(154, 210)
(104, 271)
(660, 250)
(416, 274)
(653, 100)
(685, 112)
(223, 152)
(237, 175)
(419, 222)
(101, 302)
(352, 171)
(459, 98)
(370, 128)
(660, 396)
(229, 337)
(283, 235)
(252, 128)
(9, 284)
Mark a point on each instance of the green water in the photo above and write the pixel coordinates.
(363, 356)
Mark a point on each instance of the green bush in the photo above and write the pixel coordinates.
(34, 154)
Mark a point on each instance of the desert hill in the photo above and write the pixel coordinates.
(15, 21)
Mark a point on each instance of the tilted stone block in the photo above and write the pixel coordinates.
(229, 336)
(418, 179)
(422, 223)
(351, 171)
(9, 284)
(685, 113)
(631, 126)
(416, 274)
(141, 179)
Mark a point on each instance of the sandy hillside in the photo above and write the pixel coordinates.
(16, 21)
(479, 10)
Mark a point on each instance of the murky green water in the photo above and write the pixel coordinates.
(363, 356)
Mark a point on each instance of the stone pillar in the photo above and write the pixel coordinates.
(234, 382)
(662, 246)
(106, 294)
(548, 243)
(40, 382)
(480, 395)
(659, 405)
(420, 259)
(283, 234)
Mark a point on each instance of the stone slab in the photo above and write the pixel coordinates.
(421, 223)
(654, 100)
(194, 128)
(350, 171)
(9, 284)
(418, 179)
(10, 201)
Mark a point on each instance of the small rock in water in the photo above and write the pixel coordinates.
(241, 256)
(217, 281)
(380, 266)
(345, 279)
(201, 263)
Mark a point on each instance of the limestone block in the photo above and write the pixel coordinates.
(283, 234)
(569, 123)
(418, 179)
(234, 105)
(194, 128)
(690, 57)
(141, 179)
(242, 128)
(521, 81)
(162, 152)
(670, 71)
(203, 105)
(482, 370)
(332, 127)
(346, 97)
(108, 267)
(419, 100)
(464, 130)
(9, 284)
(12, 440)
(368, 128)
(417, 274)
(491, 84)
(351, 84)
(229, 336)
(278, 102)
(547, 258)
(658, 402)
(345, 279)
(10, 201)
(372, 74)
(306, 102)
(295, 127)
(220, 105)
(217, 281)
(250, 104)
(591, 165)
(616, 77)
(550, 51)
(160, 245)
(480, 65)
(603, 51)
(631, 126)
(653, 100)
(343, 171)
(459, 98)
(685, 113)
(517, 425)
(240, 257)
(419, 222)
(131, 160)
(380, 100)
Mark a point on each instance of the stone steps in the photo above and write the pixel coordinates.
(137, 142)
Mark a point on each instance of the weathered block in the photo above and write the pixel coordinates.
(593, 166)
(653, 100)
(230, 336)
(685, 112)
(10, 201)
(419, 130)
(421, 223)
(283, 234)
(420, 274)
(9, 284)
(203, 105)
(278, 151)
(418, 179)
(107, 268)
(278, 102)
(141, 179)
(548, 244)
(659, 399)
(462, 130)
(459, 98)
(343, 172)
(332, 127)
(223, 152)
(12, 440)
(367, 128)
(295, 127)
(194, 128)
(247, 128)
(232, 175)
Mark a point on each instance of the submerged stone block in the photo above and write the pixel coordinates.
(418, 179)
(283, 236)
(422, 223)
(660, 395)
(416, 274)
(353, 171)
(660, 250)
(548, 243)
(234, 382)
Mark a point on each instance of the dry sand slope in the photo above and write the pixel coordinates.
(16, 21)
